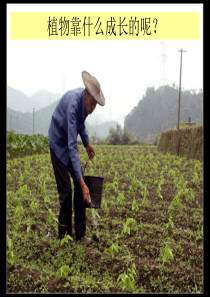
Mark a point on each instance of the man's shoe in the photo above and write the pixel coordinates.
(86, 241)
(61, 230)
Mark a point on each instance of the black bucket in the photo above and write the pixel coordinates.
(94, 185)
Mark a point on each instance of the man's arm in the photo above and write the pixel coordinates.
(85, 190)
(85, 140)
(73, 153)
(84, 136)
(74, 156)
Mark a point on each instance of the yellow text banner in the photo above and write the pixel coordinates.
(104, 25)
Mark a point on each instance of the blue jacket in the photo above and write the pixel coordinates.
(66, 123)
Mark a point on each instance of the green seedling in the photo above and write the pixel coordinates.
(115, 185)
(170, 225)
(171, 173)
(11, 258)
(22, 190)
(34, 246)
(43, 190)
(63, 272)
(127, 280)
(196, 179)
(34, 206)
(46, 199)
(19, 211)
(51, 220)
(175, 202)
(112, 186)
(114, 248)
(159, 195)
(66, 239)
(126, 228)
(166, 254)
(189, 194)
(120, 198)
(145, 201)
(200, 234)
(135, 205)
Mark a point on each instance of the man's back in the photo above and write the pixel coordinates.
(67, 121)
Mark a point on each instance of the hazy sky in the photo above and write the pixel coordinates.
(124, 69)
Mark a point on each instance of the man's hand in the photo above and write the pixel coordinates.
(85, 191)
(90, 151)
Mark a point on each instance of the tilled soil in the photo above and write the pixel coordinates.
(159, 225)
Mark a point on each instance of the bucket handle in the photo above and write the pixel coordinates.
(83, 175)
(83, 171)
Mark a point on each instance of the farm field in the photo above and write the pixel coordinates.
(150, 225)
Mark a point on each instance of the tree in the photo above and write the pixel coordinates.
(126, 138)
(156, 138)
(115, 135)
(119, 136)
(157, 110)
(95, 139)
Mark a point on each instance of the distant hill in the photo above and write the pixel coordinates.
(101, 130)
(21, 121)
(158, 111)
(42, 119)
(96, 118)
(45, 98)
(20, 114)
(18, 101)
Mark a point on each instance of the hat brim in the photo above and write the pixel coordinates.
(100, 99)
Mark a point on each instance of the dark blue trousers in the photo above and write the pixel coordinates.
(64, 188)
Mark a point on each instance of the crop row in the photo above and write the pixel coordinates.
(20, 144)
(150, 225)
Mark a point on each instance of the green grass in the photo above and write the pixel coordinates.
(150, 225)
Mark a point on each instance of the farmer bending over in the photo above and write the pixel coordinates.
(67, 122)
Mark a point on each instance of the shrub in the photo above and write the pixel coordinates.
(190, 145)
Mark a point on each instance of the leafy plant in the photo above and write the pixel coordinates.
(166, 254)
(170, 225)
(46, 199)
(126, 228)
(65, 239)
(63, 272)
(11, 258)
(34, 206)
(196, 179)
(135, 205)
(19, 211)
(18, 144)
(51, 220)
(175, 202)
(127, 280)
(159, 195)
(22, 190)
(200, 233)
(143, 234)
(145, 201)
(114, 186)
(114, 248)
(189, 194)
(30, 231)
(120, 198)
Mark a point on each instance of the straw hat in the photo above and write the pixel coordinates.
(93, 87)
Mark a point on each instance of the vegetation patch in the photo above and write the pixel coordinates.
(190, 143)
(150, 226)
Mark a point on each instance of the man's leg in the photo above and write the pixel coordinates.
(79, 206)
(65, 195)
